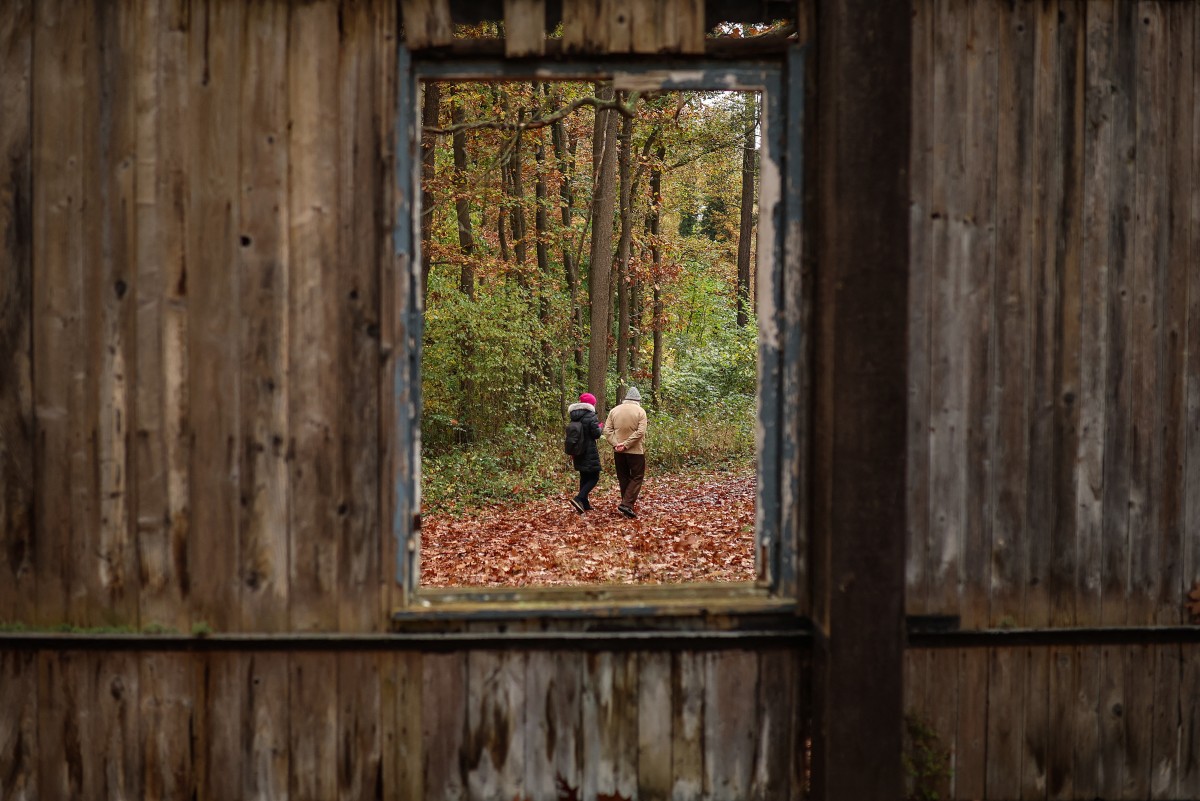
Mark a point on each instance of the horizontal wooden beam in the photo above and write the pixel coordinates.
(472, 12)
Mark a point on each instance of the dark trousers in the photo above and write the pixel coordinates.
(587, 481)
(631, 469)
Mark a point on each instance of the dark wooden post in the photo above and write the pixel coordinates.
(861, 292)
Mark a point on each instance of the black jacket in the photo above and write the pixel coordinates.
(589, 460)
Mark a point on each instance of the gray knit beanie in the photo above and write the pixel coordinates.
(632, 394)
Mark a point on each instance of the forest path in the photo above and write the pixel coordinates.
(691, 526)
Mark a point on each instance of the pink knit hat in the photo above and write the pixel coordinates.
(587, 397)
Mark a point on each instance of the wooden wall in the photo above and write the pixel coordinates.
(195, 341)
(1054, 449)
(387, 725)
(192, 336)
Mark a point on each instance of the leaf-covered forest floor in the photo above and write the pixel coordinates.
(691, 526)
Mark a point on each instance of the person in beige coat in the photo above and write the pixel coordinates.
(625, 430)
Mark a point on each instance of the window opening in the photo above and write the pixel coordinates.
(517, 181)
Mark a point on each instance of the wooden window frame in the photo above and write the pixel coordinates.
(782, 407)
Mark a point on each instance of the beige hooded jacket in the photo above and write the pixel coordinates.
(626, 425)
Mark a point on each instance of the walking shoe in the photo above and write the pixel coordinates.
(578, 506)
(625, 510)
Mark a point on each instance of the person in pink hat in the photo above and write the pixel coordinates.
(582, 433)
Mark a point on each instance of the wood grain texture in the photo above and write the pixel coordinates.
(360, 202)
(585, 25)
(1007, 676)
(214, 309)
(315, 491)
(18, 590)
(494, 751)
(654, 726)
(1011, 458)
(167, 713)
(263, 328)
(57, 302)
(19, 725)
(426, 23)
(443, 725)
(920, 306)
(313, 729)
(730, 723)
(687, 725)
(524, 28)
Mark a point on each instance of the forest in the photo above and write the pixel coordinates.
(577, 238)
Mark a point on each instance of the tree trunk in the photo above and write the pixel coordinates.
(541, 226)
(462, 207)
(655, 220)
(626, 217)
(566, 165)
(604, 159)
(429, 119)
(747, 222)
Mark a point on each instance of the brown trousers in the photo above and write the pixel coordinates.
(631, 469)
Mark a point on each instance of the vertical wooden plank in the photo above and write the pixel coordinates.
(1138, 719)
(114, 736)
(1166, 725)
(1007, 672)
(654, 726)
(1014, 229)
(916, 680)
(57, 252)
(1086, 711)
(403, 766)
(84, 601)
(494, 758)
(620, 20)
(443, 725)
(60, 736)
(315, 493)
(1189, 732)
(263, 327)
(538, 731)
(117, 602)
(730, 723)
(859, 419)
(567, 718)
(687, 725)
(647, 24)
(1068, 250)
(920, 308)
(359, 750)
(265, 724)
(779, 745)
(1060, 746)
(18, 590)
(1043, 302)
(385, 128)
(524, 28)
(313, 726)
(1180, 261)
(220, 698)
(1035, 704)
(1150, 240)
(166, 582)
(215, 67)
(149, 482)
(942, 709)
(585, 26)
(603, 675)
(166, 712)
(427, 23)
(19, 724)
(359, 200)
(1115, 550)
(688, 16)
(1097, 171)
(970, 741)
(1112, 729)
(979, 231)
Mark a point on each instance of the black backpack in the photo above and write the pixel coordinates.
(573, 443)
